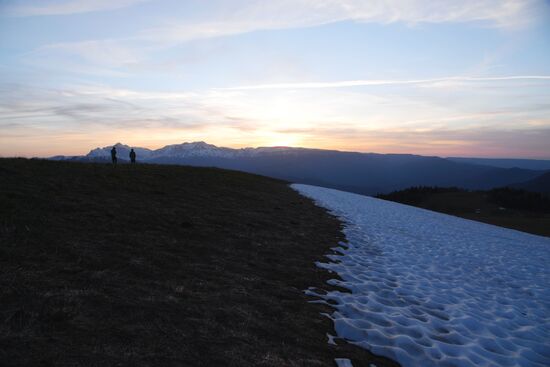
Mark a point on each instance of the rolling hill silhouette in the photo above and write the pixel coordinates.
(538, 184)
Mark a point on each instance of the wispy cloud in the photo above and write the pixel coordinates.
(376, 82)
(160, 96)
(107, 58)
(283, 14)
(491, 141)
(329, 118)
(62, 7)
(236, 17)
(247, 15)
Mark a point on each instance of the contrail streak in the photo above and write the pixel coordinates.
(375, 82)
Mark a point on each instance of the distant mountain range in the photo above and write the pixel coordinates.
(365, 173)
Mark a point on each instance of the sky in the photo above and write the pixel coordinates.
(448, 78)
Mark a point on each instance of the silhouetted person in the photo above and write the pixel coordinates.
(132, 156)
(113, 155)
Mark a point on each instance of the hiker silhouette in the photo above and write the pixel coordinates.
(132, 156)
(113, 155)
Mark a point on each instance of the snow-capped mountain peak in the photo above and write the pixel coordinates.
(194, 149)
(184, 150)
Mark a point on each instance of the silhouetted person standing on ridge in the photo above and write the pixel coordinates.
(113, 155)
(132, 156)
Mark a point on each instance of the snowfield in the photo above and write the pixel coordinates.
(429, 289)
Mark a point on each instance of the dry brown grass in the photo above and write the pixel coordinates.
(160, 266)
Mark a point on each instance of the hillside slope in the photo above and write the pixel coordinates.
(534, 164)
(160, 266)
(516, 209)
(538, 184)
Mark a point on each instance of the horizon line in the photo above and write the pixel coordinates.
(278, 146)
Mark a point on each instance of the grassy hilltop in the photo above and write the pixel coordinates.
(153, 265)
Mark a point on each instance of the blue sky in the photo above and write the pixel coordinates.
(449, 78)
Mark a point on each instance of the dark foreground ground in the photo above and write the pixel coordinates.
(506, 207)
(160, 266)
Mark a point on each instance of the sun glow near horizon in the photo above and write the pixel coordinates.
(345, 76)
